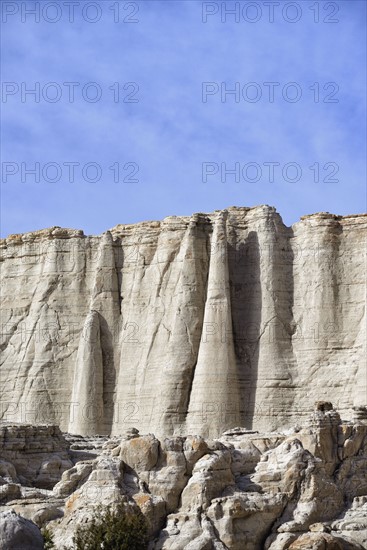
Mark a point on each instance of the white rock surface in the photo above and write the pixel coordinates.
(189, 325)
(17, 533)
(298, 489)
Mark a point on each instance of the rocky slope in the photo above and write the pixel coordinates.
(186, 326)
(304, 488)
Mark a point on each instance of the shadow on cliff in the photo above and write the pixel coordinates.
(282, 328)
(109, 373)
(246, 301)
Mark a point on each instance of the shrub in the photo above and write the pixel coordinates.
(113, 529)
(47, 539)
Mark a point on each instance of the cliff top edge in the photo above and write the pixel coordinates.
(242, 212)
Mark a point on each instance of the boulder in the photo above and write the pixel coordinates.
(18, 533)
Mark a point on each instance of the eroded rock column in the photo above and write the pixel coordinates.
(86, 409)
(215, 400)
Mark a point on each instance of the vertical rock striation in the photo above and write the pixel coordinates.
(214, 401)
(192, 324)
(87, 410)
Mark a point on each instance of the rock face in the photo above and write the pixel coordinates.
(185, 326)
(17, 533)
(304, 488)
(33, 455)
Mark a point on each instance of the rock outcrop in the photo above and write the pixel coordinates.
(185, 326)
(34, 456)
(304, 488)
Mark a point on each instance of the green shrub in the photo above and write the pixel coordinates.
(113, 529)
(48, 539)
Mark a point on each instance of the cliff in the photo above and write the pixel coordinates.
(190, 325)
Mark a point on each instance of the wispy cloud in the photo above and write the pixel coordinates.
(170, 132)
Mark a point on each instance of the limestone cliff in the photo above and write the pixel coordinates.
(189, 325)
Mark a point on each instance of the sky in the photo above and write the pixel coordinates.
(132, 116)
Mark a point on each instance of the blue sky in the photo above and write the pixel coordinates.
(170, 132)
